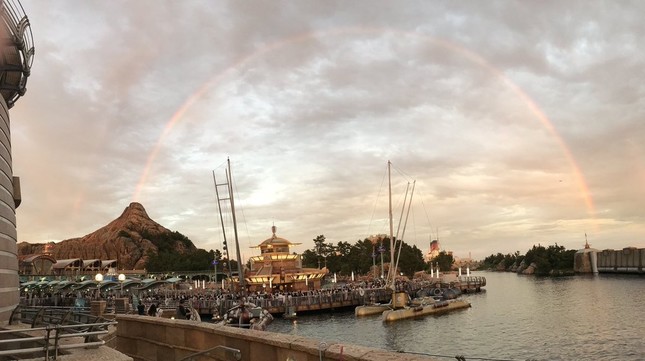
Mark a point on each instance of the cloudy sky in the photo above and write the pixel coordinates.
(521, 122)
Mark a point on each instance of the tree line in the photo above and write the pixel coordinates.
(343, 258)
(547, 260)
(362, 257)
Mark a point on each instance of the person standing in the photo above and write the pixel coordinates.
(182, 312)
(152, 310)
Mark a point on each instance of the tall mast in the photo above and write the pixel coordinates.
(398, 256)
(389, 182)
(221, 219)
(240, 269)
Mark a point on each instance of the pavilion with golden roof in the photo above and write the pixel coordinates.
(276, 269)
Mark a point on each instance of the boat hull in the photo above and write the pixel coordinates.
(424, 310)
(370, 310)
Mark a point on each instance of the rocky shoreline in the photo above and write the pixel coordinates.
(530, 269)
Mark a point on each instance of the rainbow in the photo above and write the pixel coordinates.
(290, 41)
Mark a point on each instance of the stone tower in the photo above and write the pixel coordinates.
(17, 48)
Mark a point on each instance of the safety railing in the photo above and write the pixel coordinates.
(51, 324)
(223, 353)
(47, 342)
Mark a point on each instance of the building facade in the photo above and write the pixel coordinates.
(16, 44)
(277, 269)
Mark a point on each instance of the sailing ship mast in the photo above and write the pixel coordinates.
(389, 182)
(221, 219)
(229, 187)
(394, 262)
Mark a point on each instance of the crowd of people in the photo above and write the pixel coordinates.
(153, 302)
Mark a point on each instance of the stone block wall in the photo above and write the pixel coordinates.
(147, 338)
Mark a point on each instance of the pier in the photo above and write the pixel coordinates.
(335, 299)
(210, 301)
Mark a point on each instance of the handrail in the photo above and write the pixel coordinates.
(60, 332)
(227, 351)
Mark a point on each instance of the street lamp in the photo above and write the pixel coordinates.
(98, 278)
(121, 280)
(381, 249)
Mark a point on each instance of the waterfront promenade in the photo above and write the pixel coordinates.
(208, 301)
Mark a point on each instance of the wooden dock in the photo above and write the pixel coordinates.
(335, 299)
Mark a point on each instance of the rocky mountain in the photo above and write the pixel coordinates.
(127, 239)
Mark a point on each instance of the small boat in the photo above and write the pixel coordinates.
(373, 309)
(247, 315)
(424, 307)
(401, 306)
(398, 299)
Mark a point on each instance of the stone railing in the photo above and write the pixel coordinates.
(153, 338)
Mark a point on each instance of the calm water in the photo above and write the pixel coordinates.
(517, 318)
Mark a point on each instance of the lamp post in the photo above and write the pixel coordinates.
(121, 280)
(382, 249)
(215, 270)
(98, 278)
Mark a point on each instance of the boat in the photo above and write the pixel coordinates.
(370, 310)
(402, 306)
(397, 301)
(424, 307)
(247, 315)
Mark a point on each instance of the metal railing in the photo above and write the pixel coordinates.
(50, 338)
(218, 353)
(50, 326)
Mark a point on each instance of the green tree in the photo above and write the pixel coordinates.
(444, 260)
(320, 248)
(309, 259)
(359, 258)
(410, 260)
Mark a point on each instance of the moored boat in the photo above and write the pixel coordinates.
(373, 309)
(424, 308)
(247, 315)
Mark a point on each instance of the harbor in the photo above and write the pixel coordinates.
(516, 318)
(213, 301)
(513, 320)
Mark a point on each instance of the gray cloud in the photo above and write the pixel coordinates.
(310, 99)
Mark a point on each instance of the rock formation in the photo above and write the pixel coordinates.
(530, 269)
(127, 239)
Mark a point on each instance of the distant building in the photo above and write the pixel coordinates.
(275, 269)
(36, 264)
(434, 250)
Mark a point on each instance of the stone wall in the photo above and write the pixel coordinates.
(582, 261)
(151, 338)
(627, 260)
